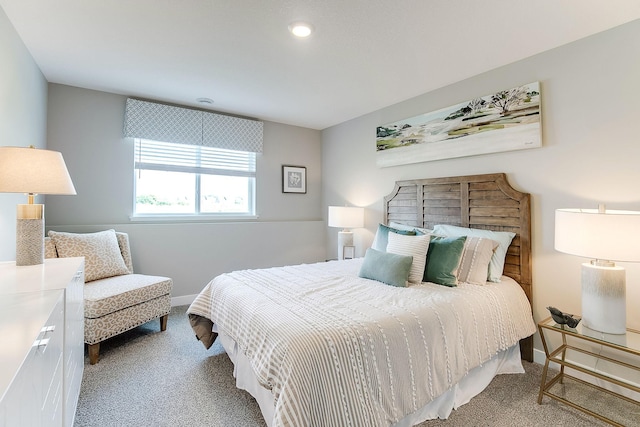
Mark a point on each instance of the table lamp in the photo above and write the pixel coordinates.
(604, 236)
(32, 171)
(345, 218)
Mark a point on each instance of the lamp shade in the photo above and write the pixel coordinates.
(33, 170)
(346, 217)
(598, 234)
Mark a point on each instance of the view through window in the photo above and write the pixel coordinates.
(183, 179)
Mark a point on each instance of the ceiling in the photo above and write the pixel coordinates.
(364, 54)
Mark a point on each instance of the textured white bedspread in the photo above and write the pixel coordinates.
(339, 350)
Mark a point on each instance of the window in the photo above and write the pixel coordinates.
(192, 162)
(182, 179)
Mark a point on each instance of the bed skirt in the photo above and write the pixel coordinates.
(505, 362)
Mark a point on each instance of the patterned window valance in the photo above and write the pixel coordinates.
(160, 122)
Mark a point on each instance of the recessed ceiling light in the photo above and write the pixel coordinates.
(301, 29)
(205, 100)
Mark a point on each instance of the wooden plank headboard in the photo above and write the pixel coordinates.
(476, 201)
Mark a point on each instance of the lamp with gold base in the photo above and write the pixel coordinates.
(32, 171)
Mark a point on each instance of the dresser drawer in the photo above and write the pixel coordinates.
(34, 397)
(48, 355)
(42, 305)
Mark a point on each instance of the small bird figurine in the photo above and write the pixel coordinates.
(563, 318)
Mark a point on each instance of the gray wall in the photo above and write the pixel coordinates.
(86, 126)
(23, 117)
(590, 153)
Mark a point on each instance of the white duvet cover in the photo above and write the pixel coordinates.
(333, 349)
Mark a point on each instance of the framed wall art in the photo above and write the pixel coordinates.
(503, 121)
(294, 179)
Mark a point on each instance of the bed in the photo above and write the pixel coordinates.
(321, 345)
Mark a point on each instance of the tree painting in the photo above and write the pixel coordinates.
(507, 99)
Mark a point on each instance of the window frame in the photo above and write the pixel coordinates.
(197, 171)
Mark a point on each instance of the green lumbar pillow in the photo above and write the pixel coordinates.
(392, 269)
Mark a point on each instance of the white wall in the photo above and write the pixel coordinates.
(23, 118)
(591, 148)
(86, 126)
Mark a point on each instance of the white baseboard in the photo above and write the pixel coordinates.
(539, 357)
(187, 300)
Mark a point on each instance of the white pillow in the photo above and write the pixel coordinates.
(415, 246)
(504, 238)
(475, 260)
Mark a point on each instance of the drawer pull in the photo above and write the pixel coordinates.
(41, 344)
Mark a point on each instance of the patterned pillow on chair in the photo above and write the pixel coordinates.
(100, 250)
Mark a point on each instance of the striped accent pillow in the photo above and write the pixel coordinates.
(474, 263)
(415, 246)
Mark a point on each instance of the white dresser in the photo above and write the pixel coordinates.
(42, 342)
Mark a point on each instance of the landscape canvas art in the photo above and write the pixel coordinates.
(504, 121)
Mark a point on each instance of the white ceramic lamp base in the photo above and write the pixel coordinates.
(604, 306)
(345, 238)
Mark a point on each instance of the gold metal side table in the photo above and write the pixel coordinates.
(579, 340)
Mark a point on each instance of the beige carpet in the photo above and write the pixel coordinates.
(148, 378)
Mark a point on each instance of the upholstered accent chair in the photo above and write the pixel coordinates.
(115, 298)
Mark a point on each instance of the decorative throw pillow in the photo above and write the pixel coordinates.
(382, 236)
(474, 263)
(443, 259)
(418, 230)
(504, 238)
(415, 246)
(123, 243)
(386, 267)
(102, 257)
(49, 248)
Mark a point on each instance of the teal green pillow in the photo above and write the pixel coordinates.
(385, 267)
(382, 236)
(443, 259)
(504, 238)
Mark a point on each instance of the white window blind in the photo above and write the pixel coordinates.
(183, 180)
(156, 155)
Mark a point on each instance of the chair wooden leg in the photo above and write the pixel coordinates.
(163, 322)
(94, 352)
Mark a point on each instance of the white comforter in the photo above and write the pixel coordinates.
(339, 350)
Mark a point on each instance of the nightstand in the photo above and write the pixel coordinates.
(621, 350)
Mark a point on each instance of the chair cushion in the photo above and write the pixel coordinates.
(101, 328)
(100, 250)
(105, 296)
